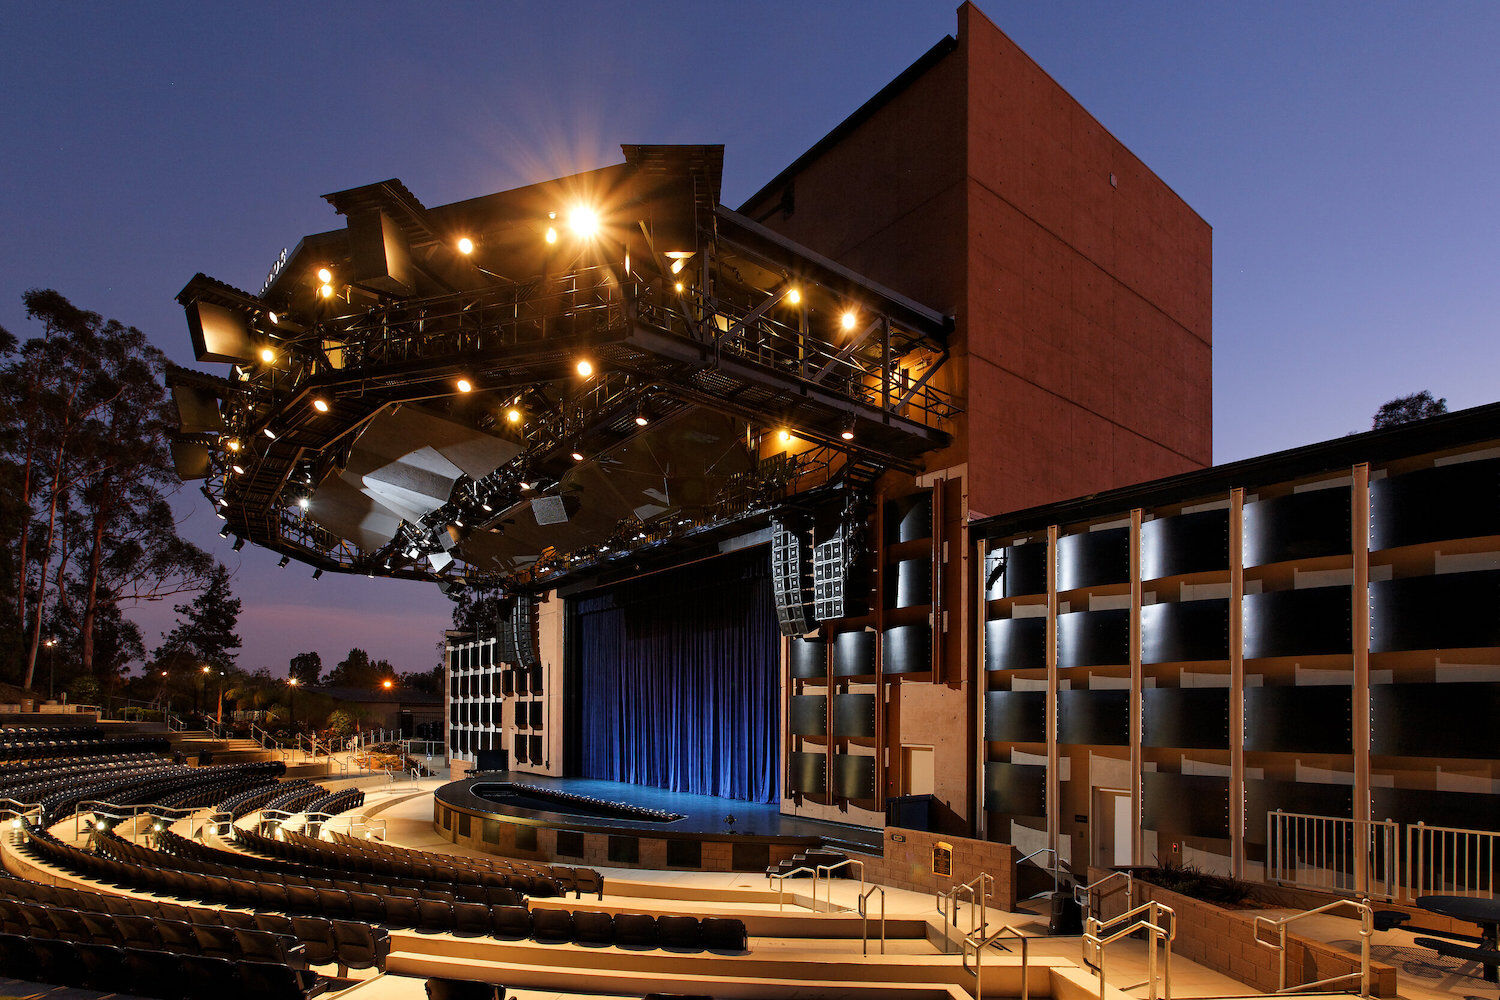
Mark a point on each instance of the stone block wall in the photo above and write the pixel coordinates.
(907, 864)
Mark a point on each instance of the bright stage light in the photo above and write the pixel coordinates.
(551, 235)
(267, 355)
(785, 436)
(793, 296)
(641, 420)
(320, 405)
(847, 434)
(679, 288)
(578, 456)
(304, 503)
(326, 291)
(585, 368)
(464, 385)
(465, 245)
(233, 445)
(584, 222)
(274, 318)
(847, 320)
(325, 275)
(513, 415)
(268, 433)
(238, 471)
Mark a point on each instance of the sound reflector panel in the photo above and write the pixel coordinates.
(549, 510)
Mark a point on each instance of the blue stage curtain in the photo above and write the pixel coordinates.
(679, 680)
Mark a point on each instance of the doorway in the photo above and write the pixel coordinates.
(1111, 828)
(918, 770)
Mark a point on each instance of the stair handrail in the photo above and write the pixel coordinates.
(1366, 916)
(826, 872)
(1056, 864)
(1084, 894)
(978, 891)
(219, 821)
(1147, 917)
(864, 917)
(175, 725)
(978, 942)
(780, 879)
(369, 824)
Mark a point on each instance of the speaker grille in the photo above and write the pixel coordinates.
(791, 574)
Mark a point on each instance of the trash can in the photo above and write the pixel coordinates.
(1067, 915)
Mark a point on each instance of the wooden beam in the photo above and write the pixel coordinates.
(1236, 683)
(1360, 586)
(1137, 685)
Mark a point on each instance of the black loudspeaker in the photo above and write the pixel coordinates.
(830, 577)
(791, 576)
(523, 631)
(492, 760)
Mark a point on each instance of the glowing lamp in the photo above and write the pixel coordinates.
(785, 436)
(513, 415)
(326, 291)
(325, 275)
(584, 222)
(464, 385)
(585, 368)
(551, 235)
(465, 246)
(578, 456)
(321, 405)
(793, 296)
(847, 320)
(267, 355)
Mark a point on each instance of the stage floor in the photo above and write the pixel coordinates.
(703, 816)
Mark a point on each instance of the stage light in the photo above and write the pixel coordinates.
(238, 470)
(585, 368)
(268, 433)
(222, 515)
(273, 318)
(513, 415)
(292, 681)
(239, 543)
(486, 508)
(584, 222)
(317, 573)
(326, 291)
(325, 275)
(641, 420)
(303, 502)
(848, 433)
(267, 355)
(224, 531)
(321, 405)
(785, 436)
(551, 235)
(464, 385)
(578, 456)
(679, 288)
(222, 502)
(793, 296)
(232, 445)
(525, 486)
(678, 265)
(465, 245)
(847, 320)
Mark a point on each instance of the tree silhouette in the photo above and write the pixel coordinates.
(1405, 409)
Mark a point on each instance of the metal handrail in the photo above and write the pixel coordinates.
(826, 871)
(864, 918)
(1056, 864)
(1084, 894)
(368, 823)
(1133, 921)
(121, 813)
(1366, 931)
(979, 942)
(780, 879)
(978, 891)
(220, 822)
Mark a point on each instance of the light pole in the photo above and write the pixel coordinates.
(51, 645)
(291, 703)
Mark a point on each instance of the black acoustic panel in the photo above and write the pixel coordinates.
(1185, 805)
(1449, 611)
(907, 649)
(1185, 631)
(809, 659)
(221, 334)
(1016, 571)
(1094, 638)
(1094, 718)
(1015, 716)
(1310, 798)
(853, 654)
(1185, 543)
(909, 518)
(853, 776)
(536, 710)
(1435, 720)
(1465, 810)
(1300, 719)
(809, 715)
(191, 460)
(1015, 643)
(537, 756)
(1298, 622)
(1015, 789)
(853, 716)
(909, 583)
(1433, 505)
(1185, 718)
(519, 745)
(1297, 526)
(1093, 558)
(808, 773)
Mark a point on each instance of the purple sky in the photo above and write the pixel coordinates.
(1345, 155)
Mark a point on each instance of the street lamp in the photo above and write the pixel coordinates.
(291, 703)
(51, 645)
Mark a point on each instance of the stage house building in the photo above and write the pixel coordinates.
(778, 504)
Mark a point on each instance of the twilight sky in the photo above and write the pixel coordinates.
(1346, 155)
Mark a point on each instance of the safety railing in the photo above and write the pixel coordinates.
(1333, 854)
(1451, 861)
(175, 725)
(977, 943)
(825, 873)
(864, 918)
(102, 816)
(19, 816)
(1366, 930)
(1084, 895)
(780, 879)
(1158, 920)
(216, 822)
(1055, 869)
(977, 890)
(361, 825)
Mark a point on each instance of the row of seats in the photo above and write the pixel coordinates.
(149, 786)
(336, 802)
(45, 782)
(620, 810)
(349, 944)
(637, 930)
(149, 933)
(330, 862)
(17, 734)
(157, 974)
(246, 802)
(37, 748)
(296, 798)
(190, 856)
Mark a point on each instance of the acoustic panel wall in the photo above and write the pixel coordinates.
(808, 715)
(1185, 631)
(1094, 718)
(1185, 718)
(1015, 789)
(1308, 797)
(809, 658)
(1094, 638)
(1186, 805)
(909, 518)
(1451, 501)
(1435, 720)
(907, 649)
(853, 776)
(1015, 716)
(1016, 571)
(1300, 719)
(1297, 526)
(1448, 611)
(909, 583)
(1093, 558)
(853, 716)
(854, 654)
(1465, 810)
(1185, 543)
(1015, 643)
(808, 774)
(1298, 622)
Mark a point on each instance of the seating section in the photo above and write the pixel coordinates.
(380, 858)
(348, 944)
(246, 802)
(49, 743)
(153, 784)
(334, 803)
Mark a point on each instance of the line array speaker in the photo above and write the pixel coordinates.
(791, 576)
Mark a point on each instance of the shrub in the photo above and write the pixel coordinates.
(1192, 881)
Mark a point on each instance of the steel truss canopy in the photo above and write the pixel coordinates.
(525, 385)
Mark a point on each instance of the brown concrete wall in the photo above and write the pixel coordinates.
(907, 864)
(1224, 941)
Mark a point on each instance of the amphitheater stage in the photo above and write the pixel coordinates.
(609, 823)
